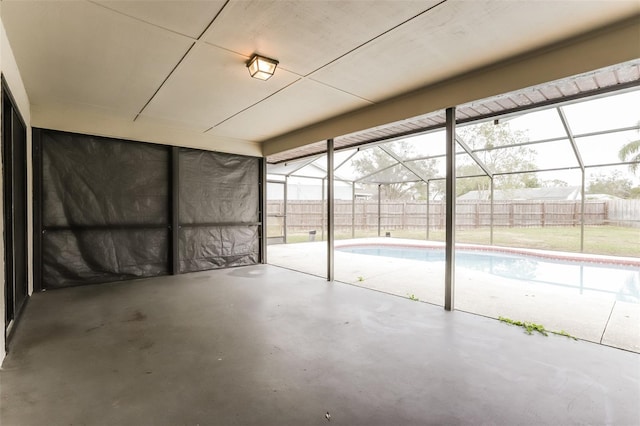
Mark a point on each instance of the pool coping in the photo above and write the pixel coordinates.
(544, 254)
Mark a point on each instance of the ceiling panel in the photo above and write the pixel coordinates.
(305, 35)
(459, 36)
(186, 17)
(302, 103)
(85, 54)
(210, 86)
(146, 120)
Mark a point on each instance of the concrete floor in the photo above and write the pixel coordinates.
(262, 345)
(589, 315)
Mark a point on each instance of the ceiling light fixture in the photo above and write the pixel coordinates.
(261, 68)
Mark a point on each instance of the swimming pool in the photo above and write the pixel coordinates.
(621, 280)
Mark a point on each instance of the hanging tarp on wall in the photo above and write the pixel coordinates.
(219, 210)
(105, 210)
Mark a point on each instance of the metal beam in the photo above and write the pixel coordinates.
(475, 158)
(263, 211)
(379, 205)
(286, 196)
(403, 164)
(450, 256)
(330, 212)
(576, 151)
(567, 129)
(353, 209)
(582, 197)
(326, 173)
(491, 214)
(304, 164)
(357, 150)
(428, 211)
(376, 172)
(322, 211)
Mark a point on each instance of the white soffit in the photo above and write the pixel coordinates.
(306, 35)
(459, 36)
(297, 105)
(621, 75)
(79, 53)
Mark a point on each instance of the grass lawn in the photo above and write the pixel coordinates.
(610, 240)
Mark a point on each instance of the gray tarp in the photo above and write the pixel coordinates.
(106, 210)
(90, 181)
(218, 189)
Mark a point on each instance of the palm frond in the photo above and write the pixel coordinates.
(629, 149)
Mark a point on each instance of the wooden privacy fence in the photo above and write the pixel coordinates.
(303, 216)
(624, 212)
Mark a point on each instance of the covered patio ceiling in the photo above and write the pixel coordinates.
(174, 71)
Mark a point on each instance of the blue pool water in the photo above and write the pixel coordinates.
(621, 280)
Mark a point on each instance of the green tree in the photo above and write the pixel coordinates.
(631, 152)
(377, 166)
(612, 184)
(493, 144)
(494, 150)
(554, 183)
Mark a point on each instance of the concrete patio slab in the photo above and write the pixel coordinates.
(263, 345)
(585, 314)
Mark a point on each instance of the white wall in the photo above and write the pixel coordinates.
(11, 74)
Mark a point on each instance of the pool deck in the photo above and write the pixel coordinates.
(593, 316)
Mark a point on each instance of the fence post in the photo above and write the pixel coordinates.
(477, 218)
(511, 213)
(379, 207)
(285, 209)
(403, 220)
(544, 213)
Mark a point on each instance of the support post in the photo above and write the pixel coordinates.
(491, 214)
(284, 219)
(576, 151)
(379, 205)
(322, 210)
(428, 198)
(449, 287)
(582, 194)
(353, 209)
(262, 214)
(330, 212)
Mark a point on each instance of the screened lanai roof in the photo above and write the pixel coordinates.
(558, 127)
(625, 76)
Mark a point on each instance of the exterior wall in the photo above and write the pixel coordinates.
(11, 74)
